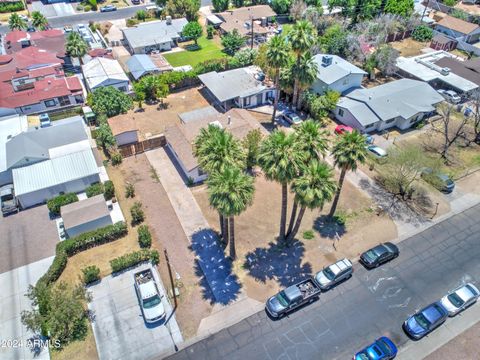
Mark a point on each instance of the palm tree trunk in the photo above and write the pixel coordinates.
(233, 254)
(297, 224)
(277, 94)
(337, 194)
(283, 216)
(295, 93)
(225, 230)
(292, 217)
(299, 99)
(220, 220)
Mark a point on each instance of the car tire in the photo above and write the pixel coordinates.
(311, 300)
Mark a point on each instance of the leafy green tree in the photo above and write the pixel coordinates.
(193, 30)
(305, 72)
(76, 46)
(210, 31)
(230, 192)
(141, 15)
(280, 161)
(281, 6)
(154, 87)
(251, 144)
(232, 42)
(238, 3)
(15, 22)
(399, 7)
(348, 151)
(243, 57)
(183, 8)
(220, 5)
(334, 41)
(39, 21)
(386, 59)
(422, 33)
(105, 136)
(312, 190)
(357, 9)
(139, 94)
(277, 56)
(109, 101)
(93, 4)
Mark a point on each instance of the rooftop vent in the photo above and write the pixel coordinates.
(327, 60)
(445, 71)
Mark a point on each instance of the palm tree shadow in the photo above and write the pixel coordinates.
(283, 264)
(328, 228)
(219, 284)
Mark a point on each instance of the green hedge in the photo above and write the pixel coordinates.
(95, 189)
(144, 236)
(90, 274)
(6, 7)
(107, 189)
(57, 202)
(134, 258)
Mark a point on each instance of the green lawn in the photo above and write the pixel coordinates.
(208, 50)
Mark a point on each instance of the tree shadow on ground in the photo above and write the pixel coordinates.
(219, 284)
(328, 227)
(280, 263)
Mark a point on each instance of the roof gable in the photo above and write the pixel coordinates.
(338, 69)
(458, 25)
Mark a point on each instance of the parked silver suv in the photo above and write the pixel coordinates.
(334, 273)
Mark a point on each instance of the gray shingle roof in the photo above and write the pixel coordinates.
(140, 64)
(359, 110)
(155, 32)
(84, 211)
(338, 69)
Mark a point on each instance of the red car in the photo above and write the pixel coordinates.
(342, 129)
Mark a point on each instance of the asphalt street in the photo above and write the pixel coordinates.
(369, 305)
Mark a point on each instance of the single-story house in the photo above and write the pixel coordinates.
(124, 129)
(181, 137)
(435, 68)
(101, 72)
(336, 74)
(459, 29)
(400, 103)
(37, 183)
(159, 35)
(468, 70)
(85, 215)
(241, 19)
(238, 88)
(140, 65)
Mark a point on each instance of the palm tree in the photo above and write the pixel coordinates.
(15, 22)
(39, 21)
(230, 192)
(302, 38)
(312, 189)
(278, 57)
(349, 150)
(76, 46)
(313, 141)
(280, 160)
(305, 71)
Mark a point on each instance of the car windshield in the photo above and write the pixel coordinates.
(151, 302)
(455, 300)
(474, 292)
(282, 298)
(7, 197)
(384, 346)
(363, 356)
(422, 321)
(370, 255)
(329, 274)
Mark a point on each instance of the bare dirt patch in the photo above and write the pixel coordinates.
(409, 47)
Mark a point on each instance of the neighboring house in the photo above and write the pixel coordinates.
(336, 74)
(11, 124)
(442, 42)
(142, 64)
(124, 129)
(85, 215)
(238, 87)
(51, 40)
(181, 137)
(101, 72)
(151, 36)
(441, 70)
(459, 29)
(400, 103)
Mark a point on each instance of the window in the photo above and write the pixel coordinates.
(390, 121)
(64, 100)
(340, 112)
(369, 126)
(50, 103)
(79, 99)
(122, 88)
(246, 101)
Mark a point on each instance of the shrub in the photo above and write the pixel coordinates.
(144, 236)
(109, 190)
(6, 7)
(132, 22)
(57, 202)
(340, 218)
(308, 235)
(450, 2)
(79, 8)
(95, 189)
(87, 8)
(134, 258)
(137, 213)
(210, 31)
(422, 33)
(55, 270)
(116, 158)
(129, 190)
(141, 15)
(93, 4)
(90, 274)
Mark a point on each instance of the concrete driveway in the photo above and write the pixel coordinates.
(13, 335)
(26, 237)
(119, 328)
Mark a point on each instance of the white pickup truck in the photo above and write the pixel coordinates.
(148, 295)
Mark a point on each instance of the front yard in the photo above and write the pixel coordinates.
(191, 55)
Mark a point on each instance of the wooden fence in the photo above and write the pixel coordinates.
(142, 146)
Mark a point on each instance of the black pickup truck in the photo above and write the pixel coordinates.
(292, 297)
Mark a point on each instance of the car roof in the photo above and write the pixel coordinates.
(433, 313)
(464, 293)
(380, 249)
(340, 265)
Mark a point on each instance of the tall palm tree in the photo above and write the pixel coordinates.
(15, 22)
(305, 71)
(311, 139)
(302, 38)
(39, 21)
(278, 56)
(348, 151)
(76, 46)
(280, 161)
(312, 189)
(230, 192)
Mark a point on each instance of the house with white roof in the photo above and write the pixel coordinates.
(336, 74)
(401, 103)
(101, 72)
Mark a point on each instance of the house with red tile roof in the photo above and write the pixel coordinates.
(52, 40)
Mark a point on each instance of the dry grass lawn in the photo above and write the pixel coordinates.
(81, 350)
(409, 47)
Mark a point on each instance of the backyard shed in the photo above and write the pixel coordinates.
(85, 215)
(124, 129)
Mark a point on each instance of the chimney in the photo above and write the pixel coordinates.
(229, 120)
(169, 20)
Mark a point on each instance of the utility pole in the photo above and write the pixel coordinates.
(251, 23)
(424, 10)
(171, 277)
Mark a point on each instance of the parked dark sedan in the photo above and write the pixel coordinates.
(379, 255)
(425, 321)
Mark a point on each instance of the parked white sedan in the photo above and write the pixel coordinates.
(459, 299)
